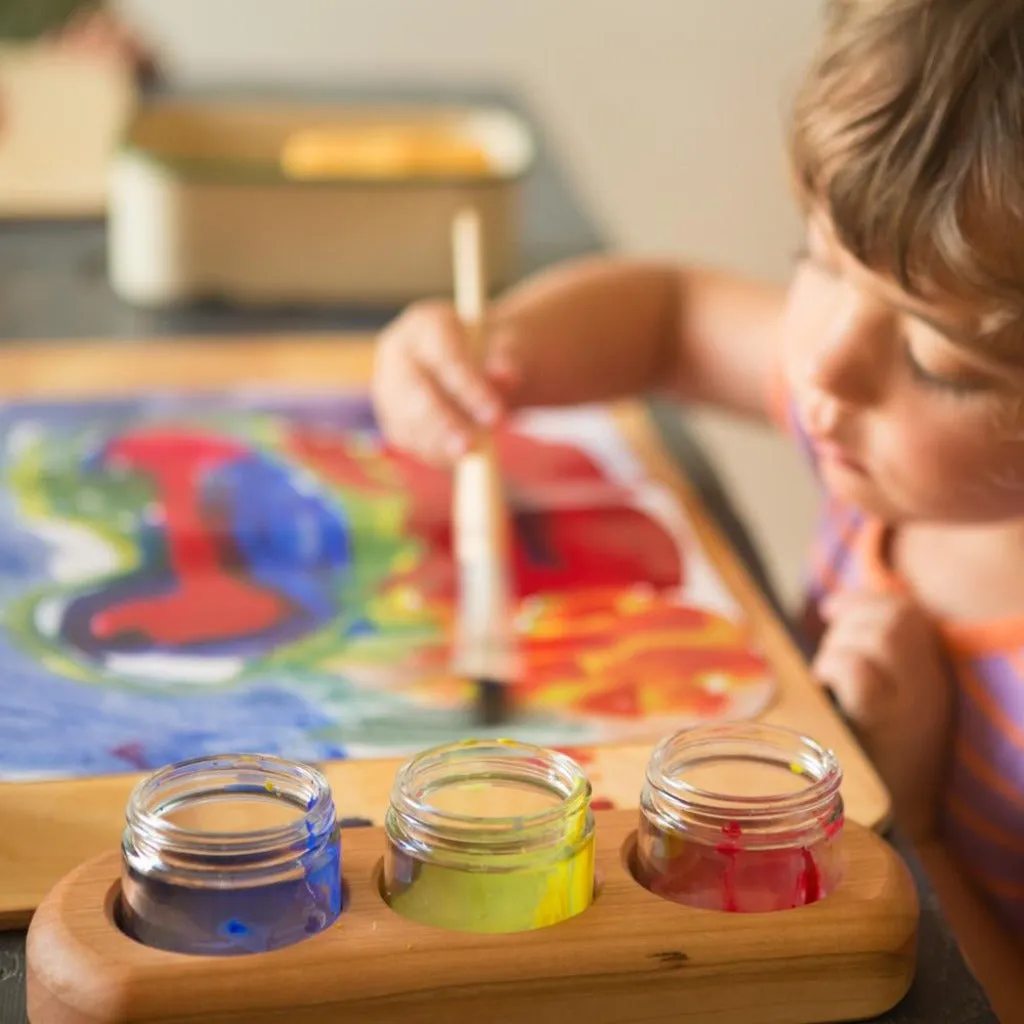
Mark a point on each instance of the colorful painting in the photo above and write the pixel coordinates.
(186, 574)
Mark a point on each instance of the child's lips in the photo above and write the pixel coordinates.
(824, 433)
(838, 455)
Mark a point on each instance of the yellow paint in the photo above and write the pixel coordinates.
(405, 561)
(635, 600)
(488, 845)
(534, 893)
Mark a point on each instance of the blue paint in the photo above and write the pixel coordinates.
(360, 628)
(253, 895)
(311, 837)
(232, 922)
(296, 543)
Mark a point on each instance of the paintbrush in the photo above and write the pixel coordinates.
(485, 650)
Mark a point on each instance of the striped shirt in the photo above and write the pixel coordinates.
(983, 809)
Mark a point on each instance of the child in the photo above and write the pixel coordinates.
(896, 359)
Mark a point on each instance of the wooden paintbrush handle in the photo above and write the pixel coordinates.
(484, 635)
(470, 283)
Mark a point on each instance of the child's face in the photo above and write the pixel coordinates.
(913, 417)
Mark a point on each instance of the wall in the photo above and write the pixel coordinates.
(668, 114)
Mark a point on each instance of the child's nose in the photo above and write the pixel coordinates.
(848, 361)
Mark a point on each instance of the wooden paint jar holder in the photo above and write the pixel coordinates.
(631, 956)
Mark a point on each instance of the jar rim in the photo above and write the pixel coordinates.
(795, 751)
(301, 785)
(574, 791)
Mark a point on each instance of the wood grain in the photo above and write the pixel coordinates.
(50, 827)
(631, 957)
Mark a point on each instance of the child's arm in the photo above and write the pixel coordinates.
(995, 957)
(587, 331)
(603, 329)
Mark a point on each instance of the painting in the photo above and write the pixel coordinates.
(184, 574)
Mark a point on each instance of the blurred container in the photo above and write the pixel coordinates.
(61, 118)
(258, 203)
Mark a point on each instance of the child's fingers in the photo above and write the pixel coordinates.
(859, 689)
(501, 367)
(412, 408)
(435, 428)
(439, 347)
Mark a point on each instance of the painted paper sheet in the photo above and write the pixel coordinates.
(188, 574)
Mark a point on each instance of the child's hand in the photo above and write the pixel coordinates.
(882, 659)
(430, 399)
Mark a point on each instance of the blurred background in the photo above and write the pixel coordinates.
(666, 115)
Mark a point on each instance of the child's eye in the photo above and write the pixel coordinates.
(964, 385)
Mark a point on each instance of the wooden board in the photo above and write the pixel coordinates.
(630, 957)
(51, 827)
(61, 117)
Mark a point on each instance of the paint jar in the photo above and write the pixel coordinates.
(740, 818)
(489, 836)
(230, 854)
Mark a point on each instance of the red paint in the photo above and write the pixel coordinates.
(208, 601)
(733, 876)
(624, 701)
(811, 878)
(602, 636)
(132, 754)
(581, 755)
(595, 538)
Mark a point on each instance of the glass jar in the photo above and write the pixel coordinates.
(489, 836)
(230, 854)
(740, 818)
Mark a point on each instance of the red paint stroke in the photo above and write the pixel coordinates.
(594, 540)
(132, 754)
(208, 600)
(624, 658)
(603, 637)
(581, 755)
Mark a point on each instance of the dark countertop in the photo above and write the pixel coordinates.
(52, 285)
